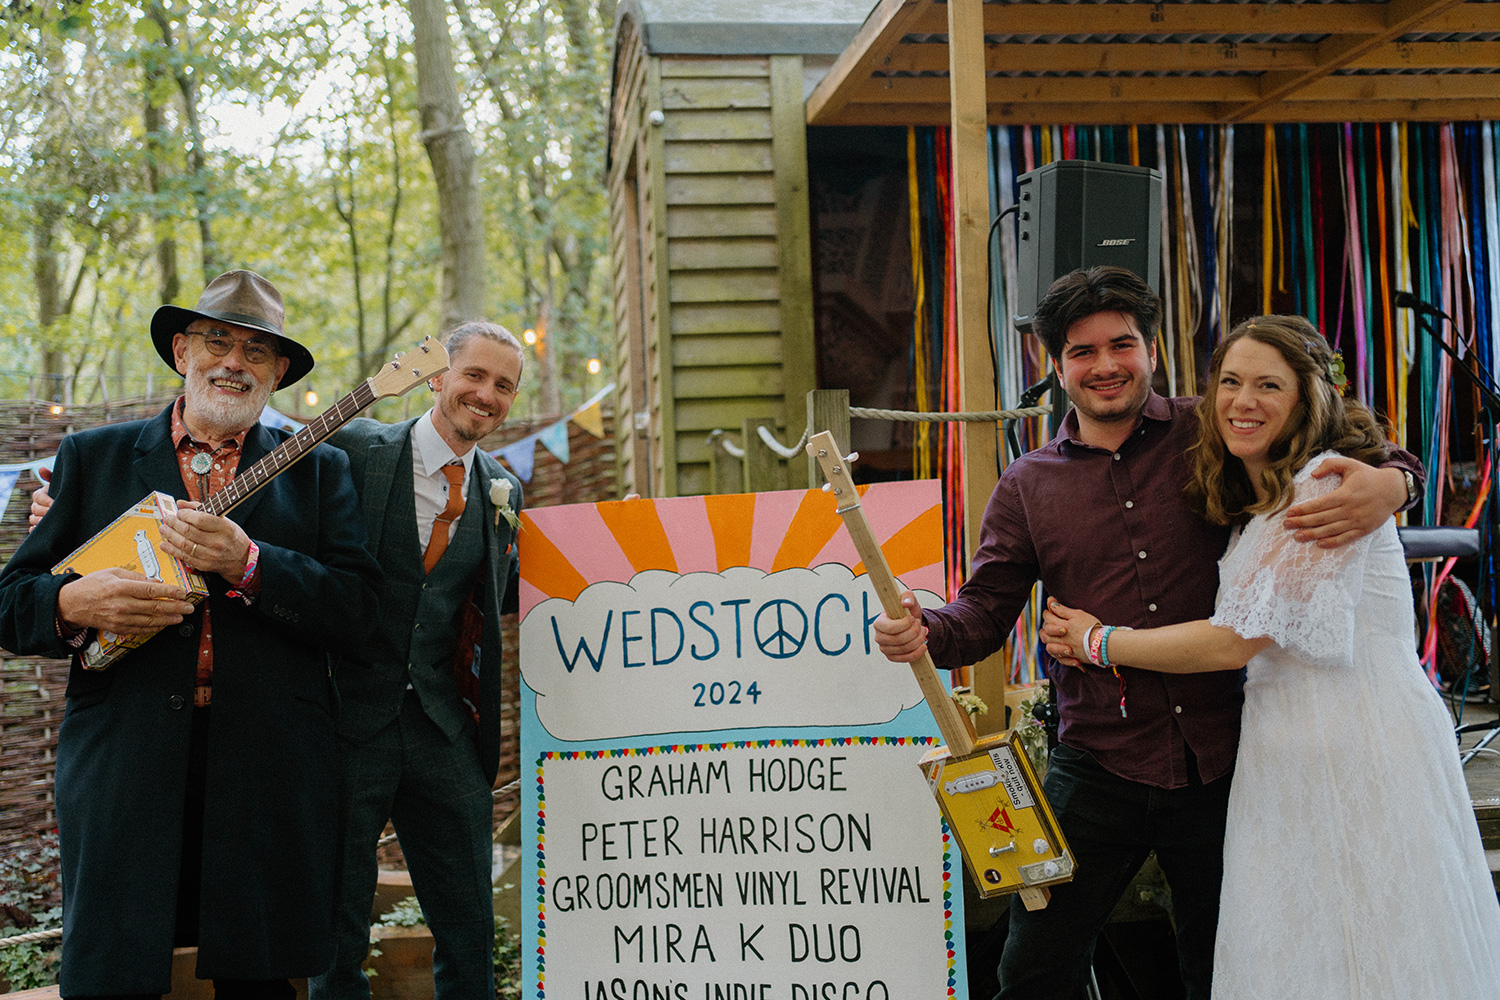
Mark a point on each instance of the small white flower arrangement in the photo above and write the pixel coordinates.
(500, 497)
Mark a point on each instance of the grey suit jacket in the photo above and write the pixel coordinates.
(374, 451)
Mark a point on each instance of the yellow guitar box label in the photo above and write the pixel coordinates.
(132, 542)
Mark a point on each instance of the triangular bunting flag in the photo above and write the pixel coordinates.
(278, 421)
(7, 483)
(555, 439)
(521, 457)
(591, 419)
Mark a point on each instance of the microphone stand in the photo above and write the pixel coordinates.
(1484, 382)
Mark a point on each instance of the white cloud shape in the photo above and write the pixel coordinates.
(700, 652)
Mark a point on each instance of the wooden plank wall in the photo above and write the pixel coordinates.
(723, 296)
(722, 253)
(632, 253)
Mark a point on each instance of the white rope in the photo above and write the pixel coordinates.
(776, 446)
(718, 438)
(31, 938)
(981, 417)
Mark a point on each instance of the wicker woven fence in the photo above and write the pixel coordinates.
(31, 688)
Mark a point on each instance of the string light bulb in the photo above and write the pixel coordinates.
(593, 366)
(529, 335)
(311, 397)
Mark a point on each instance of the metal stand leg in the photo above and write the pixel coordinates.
(1093, 987)
(1473, 751)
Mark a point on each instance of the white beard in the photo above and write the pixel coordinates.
(220, 414)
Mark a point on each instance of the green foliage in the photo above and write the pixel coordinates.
(30, 900)
(1031, 733)
(123, 149)
(508, 971)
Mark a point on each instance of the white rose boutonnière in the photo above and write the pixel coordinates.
(500, 497)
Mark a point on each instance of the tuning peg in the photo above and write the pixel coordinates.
(400, 355)
(822, 452)
(852, 457)
(425, 346)
(417, 372)
(827, 487)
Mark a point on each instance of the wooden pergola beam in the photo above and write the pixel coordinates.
(1197, 91)
(1186, 113)
(1207, 19)
(1401, 17)
(882, 31)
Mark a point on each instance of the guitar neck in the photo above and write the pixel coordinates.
(283, 456)
(952, 721)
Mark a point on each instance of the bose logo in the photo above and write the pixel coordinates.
(1116, 243)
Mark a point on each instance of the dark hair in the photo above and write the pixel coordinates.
(1321, 421)
(456, 339)
(1080, 294)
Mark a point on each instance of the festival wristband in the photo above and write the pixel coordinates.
(1093, 640)
(252, 559)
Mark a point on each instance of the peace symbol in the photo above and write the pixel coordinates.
(781, 643)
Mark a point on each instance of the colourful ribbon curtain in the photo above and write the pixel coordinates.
(1349, 214)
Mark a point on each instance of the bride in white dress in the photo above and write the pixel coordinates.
(1353, 866)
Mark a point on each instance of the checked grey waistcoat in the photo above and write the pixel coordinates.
(419, 612)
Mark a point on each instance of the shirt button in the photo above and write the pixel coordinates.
(175, 702)
(1177, 709)
(1150, 607)
(1117, 456)
(184, 629)
(1129, 504)
(417, 627)
(1141, 554)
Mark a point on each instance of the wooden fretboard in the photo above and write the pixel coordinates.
(246, 483)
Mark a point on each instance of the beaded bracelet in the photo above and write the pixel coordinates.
(1093, 640)
(1104, 634)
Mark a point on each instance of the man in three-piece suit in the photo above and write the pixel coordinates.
(416, 745)
(196, 793)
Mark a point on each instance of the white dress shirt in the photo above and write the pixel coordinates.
(429, 453)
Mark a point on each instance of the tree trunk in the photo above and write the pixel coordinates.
(166, 245)
(48, 282)
(446, 138)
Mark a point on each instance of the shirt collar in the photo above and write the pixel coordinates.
(430, 452)
(180, 432)
(1156, 409)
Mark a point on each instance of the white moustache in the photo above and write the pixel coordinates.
(245, 379)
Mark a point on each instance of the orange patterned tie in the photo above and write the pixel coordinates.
(438, 543)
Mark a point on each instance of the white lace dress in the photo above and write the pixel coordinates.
(1352, 860)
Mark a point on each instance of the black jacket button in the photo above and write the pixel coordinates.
(176, 702)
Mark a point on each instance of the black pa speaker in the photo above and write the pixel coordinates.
(1081, 213)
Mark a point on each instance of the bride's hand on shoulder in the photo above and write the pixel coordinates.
(1066, 631)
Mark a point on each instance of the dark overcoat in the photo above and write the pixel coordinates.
(270, 815)
(370, 689)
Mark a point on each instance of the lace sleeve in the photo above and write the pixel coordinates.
(1298, 595)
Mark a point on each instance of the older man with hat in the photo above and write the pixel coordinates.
(196, 796)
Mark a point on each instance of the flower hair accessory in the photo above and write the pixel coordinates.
(500, 497)
(1336, 374)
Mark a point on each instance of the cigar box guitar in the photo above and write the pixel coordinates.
(133, 540)
(986, 787)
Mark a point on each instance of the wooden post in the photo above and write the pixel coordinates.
(971, 213)
(827, 410)
(725, 472)
(764, 469)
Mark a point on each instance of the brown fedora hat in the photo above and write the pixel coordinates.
(245, 299)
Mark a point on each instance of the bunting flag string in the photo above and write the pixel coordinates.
(521, 455)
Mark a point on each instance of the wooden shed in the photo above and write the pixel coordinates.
(709, 229)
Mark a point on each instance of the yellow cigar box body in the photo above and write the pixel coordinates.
(132, 542)
(992, 799)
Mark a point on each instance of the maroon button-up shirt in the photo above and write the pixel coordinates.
(1109, 533)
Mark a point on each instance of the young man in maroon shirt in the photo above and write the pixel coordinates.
(1098, 516)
